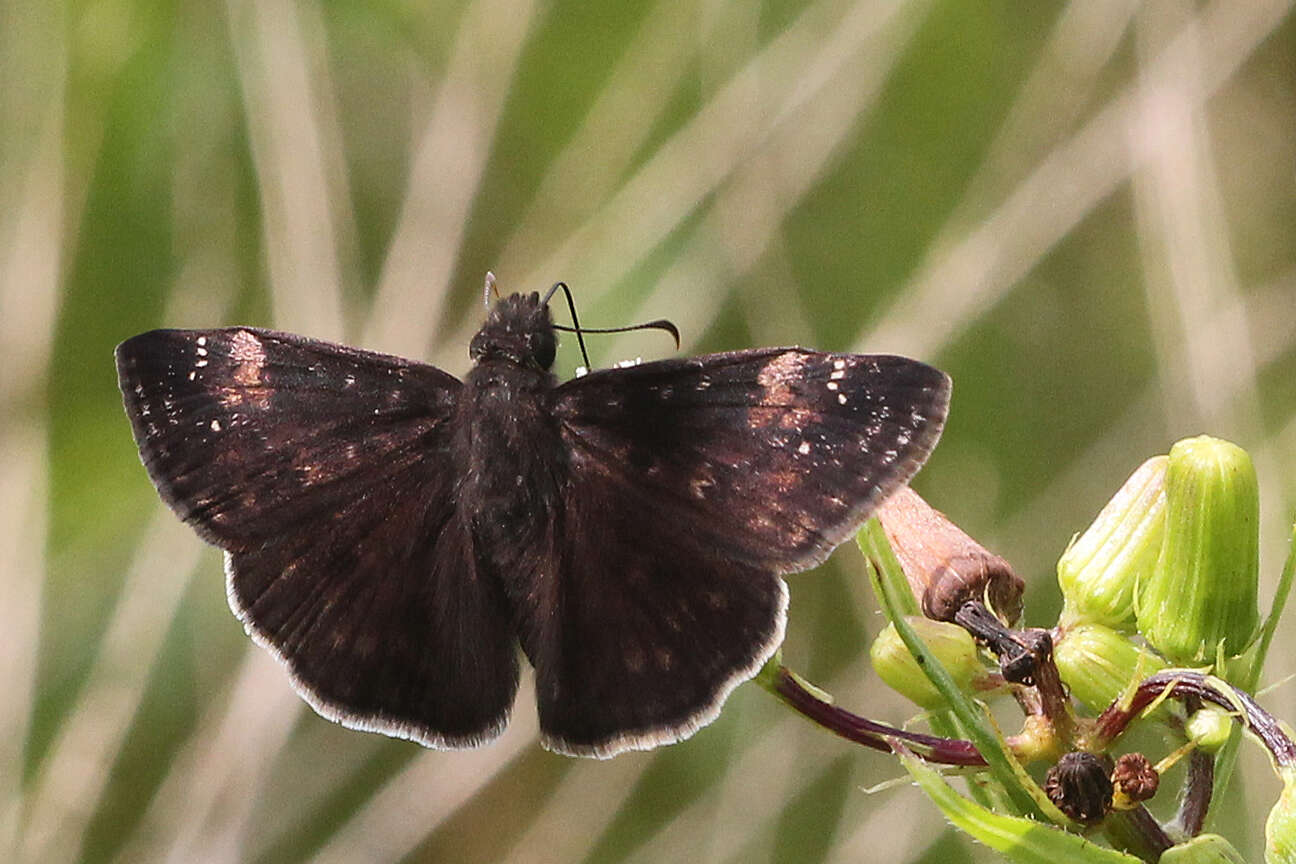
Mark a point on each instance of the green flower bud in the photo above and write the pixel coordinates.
(1203, 849)
(1209, 728)
(1199, 603)
(1100, 569)
(1098, 663)
(951, 644)
(1280, 827)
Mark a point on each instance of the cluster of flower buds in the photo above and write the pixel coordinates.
(1166, 577)
(1175, 555)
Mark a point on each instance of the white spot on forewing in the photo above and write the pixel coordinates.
(192, 375)
(202, 340)
(832, 385)
(841, 398)
(839, 365)
(804, 448)
(202, 352)
(837, 375)
(215, 426)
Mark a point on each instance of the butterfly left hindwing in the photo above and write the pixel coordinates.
(326, 474)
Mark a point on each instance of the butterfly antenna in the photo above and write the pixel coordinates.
(576, 323)
(659, 324)
(490, 289)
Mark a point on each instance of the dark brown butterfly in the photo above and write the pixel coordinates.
(392, 534)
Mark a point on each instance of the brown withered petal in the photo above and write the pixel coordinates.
(945, 567)
(1081, 787)
(1135, 777)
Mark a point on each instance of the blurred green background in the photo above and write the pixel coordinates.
(1085, 212)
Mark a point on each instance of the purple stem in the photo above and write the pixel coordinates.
(852, 727)
(1186, 684)
(1197, 793)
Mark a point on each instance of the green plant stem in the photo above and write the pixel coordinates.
(1226, 758)
(896, 600)
(1136, 832)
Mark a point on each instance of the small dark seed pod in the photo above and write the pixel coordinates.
(1081, 787)
(945, 567)
(1135, 777)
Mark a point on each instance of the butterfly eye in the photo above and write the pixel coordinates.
(543, 346)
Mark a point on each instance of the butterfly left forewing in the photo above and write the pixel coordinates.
(242, 430)
(691, 484)
(326, 474)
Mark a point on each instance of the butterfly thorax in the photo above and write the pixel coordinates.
(511, 489)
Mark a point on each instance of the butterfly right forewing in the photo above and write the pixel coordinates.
(773, 455)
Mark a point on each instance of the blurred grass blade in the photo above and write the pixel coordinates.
(288, 149)
(23, 490)
(967, 275)
(67, 791)
(395, 818)
(446, 172)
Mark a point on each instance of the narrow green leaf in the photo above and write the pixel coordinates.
(1203, 849)
(891, 588)
(873, 542)
(1021, 840)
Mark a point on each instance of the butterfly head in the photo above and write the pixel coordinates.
(519, 329)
